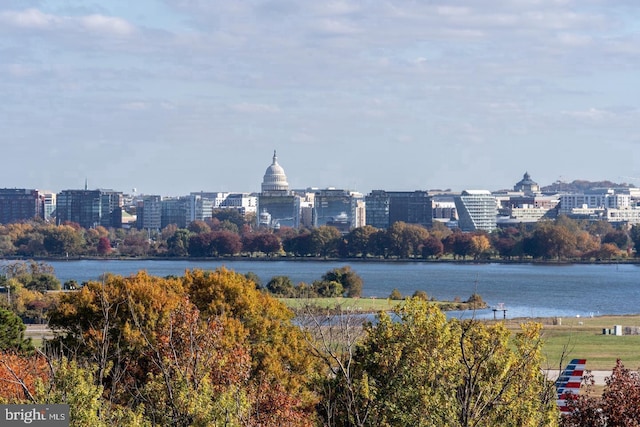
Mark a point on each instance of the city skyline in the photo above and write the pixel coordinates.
(174, 97)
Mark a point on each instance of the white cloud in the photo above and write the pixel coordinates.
(34, 19)
(106, 25)
(255, 108)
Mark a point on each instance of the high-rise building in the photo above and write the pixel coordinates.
(477, 210)
(384, 208)
(149, 213)
(20, 204)
(90, 208)
(174, 211)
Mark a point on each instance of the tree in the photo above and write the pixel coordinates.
(432, 247)
(199, 227)
(395, 295)
(349, 280)
(12, 333)
(617, 407)
(63, 240)
(426, 370)
(178, 243)
(281, 286)
(405, 240)
(104, 246)
(358, 241)
(324, 240)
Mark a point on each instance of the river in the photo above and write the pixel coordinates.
(526, 290)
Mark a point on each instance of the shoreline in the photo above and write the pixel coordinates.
(629, 261)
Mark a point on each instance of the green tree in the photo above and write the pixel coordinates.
(12, 332)
(395, 295)
(281, 286)
(63, 240)
(426, 370)
(349, 279)
(178, 243)
(328, 289)
(324, 240)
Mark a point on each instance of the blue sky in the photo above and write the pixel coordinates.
(173, 96)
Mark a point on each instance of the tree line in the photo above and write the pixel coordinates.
(228, 235)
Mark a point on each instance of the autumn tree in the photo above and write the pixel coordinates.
(358, 241)
(616, 407)
(324, 240)
(405, 240)
(422, 369)
(432, 247)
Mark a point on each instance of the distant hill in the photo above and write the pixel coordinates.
(580, 185)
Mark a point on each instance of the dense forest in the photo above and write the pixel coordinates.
(228, 234)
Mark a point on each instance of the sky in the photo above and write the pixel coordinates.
(174, 96)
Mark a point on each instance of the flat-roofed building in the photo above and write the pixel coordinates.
(340, 208)
(90, 208)
(384, 208)
(20, 204)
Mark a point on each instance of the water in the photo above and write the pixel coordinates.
(526, 290)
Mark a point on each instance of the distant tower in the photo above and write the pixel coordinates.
(274, 177)
(86, 184)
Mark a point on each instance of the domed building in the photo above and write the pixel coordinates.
(276, 204)
(527, 185)
(274, 177)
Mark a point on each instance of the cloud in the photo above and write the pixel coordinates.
(34, 19)
(255, 108)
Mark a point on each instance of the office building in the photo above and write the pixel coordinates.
(383, 208)
(90, 208)
(477, 210)
(20, 204)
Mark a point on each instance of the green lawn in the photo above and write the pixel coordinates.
(357, 304)
(582, 338)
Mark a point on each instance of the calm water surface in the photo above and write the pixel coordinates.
(526, 290)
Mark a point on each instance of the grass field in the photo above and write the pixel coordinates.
(583, 338)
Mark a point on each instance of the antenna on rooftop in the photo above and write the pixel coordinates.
(86, 184)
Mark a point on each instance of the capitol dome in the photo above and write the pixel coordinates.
(274, 177)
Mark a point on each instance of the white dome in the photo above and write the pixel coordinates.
(274, 177)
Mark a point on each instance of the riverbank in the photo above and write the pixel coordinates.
(443, 260)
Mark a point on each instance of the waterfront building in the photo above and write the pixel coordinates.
(20, 204)
(90, 208)
(384, 208)
(477, 210)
